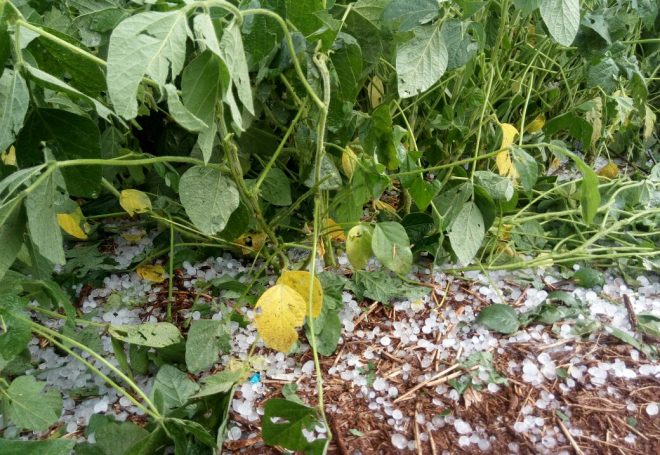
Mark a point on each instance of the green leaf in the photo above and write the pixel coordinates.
(30, 407)
(45, 233)
(12, 228)
(151, 334)
(450, 203)
(500, 188)
(603, 74)
(377, 138)
(206, 340)
(283, 422)
(203, 82)
(150, 43)
(193, 428)
(589, 193)
(115, 438)
(467, 233)
(527, 168)
(48, 446)
(648, 323)
(312, 20)
(391, 246)
(64, 63)
(421, 61)
(499, 318)
(329, 178)
(417, 225)
(460, 45)
(578, 127)
(562, 17)
(328, 334)
(69, 136)
(587, 277)
(382, 287)
(219, 383)
(181, 114)
(14, 101)
(172, 388)
(276, 188)
(405, 15)
(231, 50)
(209, 198)
(49, 81)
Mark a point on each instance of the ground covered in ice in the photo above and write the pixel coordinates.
(415, 374)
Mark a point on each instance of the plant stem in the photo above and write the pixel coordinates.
(170, 277)
(320, 62)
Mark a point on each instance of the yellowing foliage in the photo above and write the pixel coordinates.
(134, 201)
(348, 162)
(153, 273)
(73, 223)
(610, 170)
(503, 159)
(536, 125)
(299, 282)
(280, 311)
(8, 157)
(334, 230)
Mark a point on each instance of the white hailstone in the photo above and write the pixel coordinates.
(630, 439)
(462, 427)
(234, 434)
(493, 388)
(380, 384)
(399, 441)
(484, 444)
(463, 441)
(308, 367)
(520, 427)
(652, 409)
(100, 407)
(397, 414)
(71, 427)
(385, 341)
(393, 392)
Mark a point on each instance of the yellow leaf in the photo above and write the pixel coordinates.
(299, 281)
(134, 201)
(649, 123)
(252, 242)
(381, 205)
(610, 170)
(509, 133)
(375, 90)
(134, 235)
(279, 312)
(153, 273)
(595, 119)
(9, 156)
(73, 223)
(348, 162)
(334, 230)
(536, 125)
(503, 159)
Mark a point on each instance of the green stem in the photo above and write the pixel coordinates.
(320, 62)
(170, 278)
(481, 122)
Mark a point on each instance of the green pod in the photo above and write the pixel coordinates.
(358, 245)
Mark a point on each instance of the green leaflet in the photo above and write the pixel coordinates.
(499, 318)
(172, 388)
(466, 233)
(181, 114)
(209, 198)
(206, 340)
(151, 44)
(203, 81)
(12, 228)
(155, 335)
(405, 15)
(276, 188)
(391, 246)
(421, 61)
(14, 100)
(232, 52)
(287, 432)
(562, 17)
(44, 231)
(49, 446)
(69, 136)
(30, 407)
